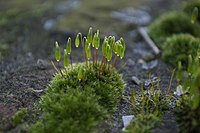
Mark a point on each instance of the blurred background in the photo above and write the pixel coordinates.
(32, 26)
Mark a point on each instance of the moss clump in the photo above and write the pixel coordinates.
(143, 123)
(3, 50)
(178, 47)
(188, 119)
(19, 116)
(76, 106)
(190, 5)
(172, 23)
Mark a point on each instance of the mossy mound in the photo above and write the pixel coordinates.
(178, 47)
(172, 23)
(77, 106)
(187, 119)
(188, 7)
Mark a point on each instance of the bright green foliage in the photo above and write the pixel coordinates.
(66, 60)
(188, 106)
(105, 43)
(149, 107)
(187, 119)
(19, 116)
(76, 106)
(189, 6)
(57, 53)
(143, 123)
(178, 47)
(194, 15)
(108, 52)
(77, 40)
(68, 47)
(88, 50)
(172, 23)
(81, 74)
(80, 97)
(89, 36)
(179, 72)
(97, 40)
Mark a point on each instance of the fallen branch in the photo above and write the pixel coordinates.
(144, 34)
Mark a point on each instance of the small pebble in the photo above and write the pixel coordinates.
(130, 62)
(136, 80)
(126, 120)
(179, 90)
(42, 64)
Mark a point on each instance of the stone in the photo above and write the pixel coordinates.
(126, 120)
(136, 80)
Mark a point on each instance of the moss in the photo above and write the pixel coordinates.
(172, 23)
(178, 47)
(143, 123)
(19, 116)
(3, 50)
(77, 106)
(188, 7)
(188, 120)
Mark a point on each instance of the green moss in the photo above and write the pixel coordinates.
(172, 23)
(187, 119)
(188, 7)
(143, 123)
(3, 50)
(19, 116)
(178, 47)
(77, 106)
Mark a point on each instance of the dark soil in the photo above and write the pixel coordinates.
(26, 68)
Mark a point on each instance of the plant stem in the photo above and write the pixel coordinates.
(59, 67)
(97, 56)
(115, 60)
(82, 42)
(52, 63)
(71, 60)
(93, 55)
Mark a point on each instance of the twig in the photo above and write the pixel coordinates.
(144, 34)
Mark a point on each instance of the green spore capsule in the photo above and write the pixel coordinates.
(94, 41)
(57, 52)
(77, 40)
(66, 61)
(68, 47)
(80, 74)
(194, 15)
(89, 36)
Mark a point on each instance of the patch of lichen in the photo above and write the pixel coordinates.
(75, 105)
(172, 23)
(178, 47)
(189, 5)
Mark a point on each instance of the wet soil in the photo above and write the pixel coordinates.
(25, 71)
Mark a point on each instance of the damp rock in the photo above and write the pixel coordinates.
(179, 90)
(49, 24)
(147, 83)
(42, 64)
(132, 16)
(130, 62)
(152, 81)
(172, 103)
(150, 65)
(126, 120)
(66, 6)
(136, 80)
